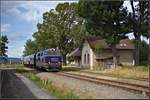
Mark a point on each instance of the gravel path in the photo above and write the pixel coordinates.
(87, 89)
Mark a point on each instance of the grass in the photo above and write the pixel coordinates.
(127, 72)
(52, 89)
(11, 66)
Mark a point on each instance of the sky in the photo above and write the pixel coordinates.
(19, 20)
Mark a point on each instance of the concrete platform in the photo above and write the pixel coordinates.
(17, 86)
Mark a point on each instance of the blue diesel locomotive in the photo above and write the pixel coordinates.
(50, 60)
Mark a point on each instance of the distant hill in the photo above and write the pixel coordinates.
(10, 60)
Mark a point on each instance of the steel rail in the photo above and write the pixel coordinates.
(128, 86)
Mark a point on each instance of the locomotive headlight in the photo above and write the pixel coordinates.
(59, 62)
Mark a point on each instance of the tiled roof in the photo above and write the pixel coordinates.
(97, 41)
(125, 44)
(76, 52)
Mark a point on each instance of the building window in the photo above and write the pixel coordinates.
(88, 58)
(84, 58)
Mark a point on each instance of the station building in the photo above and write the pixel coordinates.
(95, 52)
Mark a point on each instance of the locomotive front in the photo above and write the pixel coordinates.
(52, 60)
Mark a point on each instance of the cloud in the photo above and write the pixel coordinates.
(19, 36)
(131, 36)
(128, 5)
(29, 10)
(15, 52)
(5, 27)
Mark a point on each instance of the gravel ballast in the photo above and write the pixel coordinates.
(86, 89)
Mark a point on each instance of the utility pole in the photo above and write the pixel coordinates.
(149, 39)
(149, 42)
(149, 35)
(149, 49)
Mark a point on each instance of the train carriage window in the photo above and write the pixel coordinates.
(45, 53)
(39, 56)
(42, 54)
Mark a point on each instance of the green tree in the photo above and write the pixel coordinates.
(143, 57)
(60, 28)
(107, 19)
(3, 45)
(30, 47)
(139, 24)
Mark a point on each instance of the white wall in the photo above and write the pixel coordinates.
(87, 50)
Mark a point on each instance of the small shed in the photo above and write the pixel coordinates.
(75, 57)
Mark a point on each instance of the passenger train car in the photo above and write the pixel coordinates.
(50, 59)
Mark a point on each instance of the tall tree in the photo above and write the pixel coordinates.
(107, 19)
(3, 45)
(30, 47)
(60, 28)
(139, 24)
(143, 57)
(68, 20)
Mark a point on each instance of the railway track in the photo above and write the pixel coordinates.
(136, 88)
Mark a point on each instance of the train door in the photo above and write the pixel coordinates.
(34, 60)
